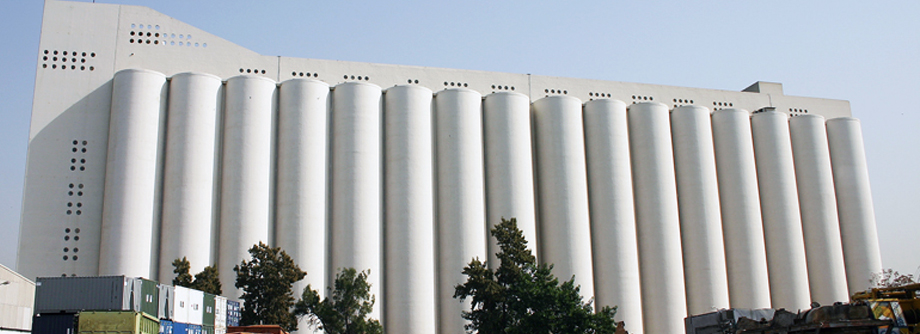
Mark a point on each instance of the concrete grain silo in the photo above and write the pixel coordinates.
(167, 141)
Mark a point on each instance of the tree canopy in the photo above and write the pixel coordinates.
(345, 308)
(889, 278)
(521, 296)
(207, 280)
(266, 281)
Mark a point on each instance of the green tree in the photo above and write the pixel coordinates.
(266, 282)
(345, 308)
(888, 278)
(208, 280)
(521, 296)
(181, 269)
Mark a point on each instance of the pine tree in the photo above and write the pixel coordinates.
(181, 268)
(345, 308)
(521, 296)
(266, 281)
(208, 280)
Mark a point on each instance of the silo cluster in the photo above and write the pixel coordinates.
(662, 211)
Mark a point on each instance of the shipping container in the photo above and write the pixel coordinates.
(194, 329)
(207, 307)
(233, 313)
(220, 313)
(166, 309)
(166, 327)
(117, 322)
(264, 329)
(102, 293)
(56, 323)
(195, 307)
(180, 305)
(150, 296)
(220, 330)
(205, 329)
(180, 328)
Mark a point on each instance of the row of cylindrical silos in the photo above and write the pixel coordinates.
(661, 212)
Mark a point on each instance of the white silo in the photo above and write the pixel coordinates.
(613, 220)
(300, 223)
(189, 174)
(509, 166)
(409, 211)
(356, 181)
(130, 212)
(565, 230)
(657, 220)
(700, 217)
(815, 180)
(779, 201)
(246, 162)
(854, 202)
(745, 252)
(461, 226)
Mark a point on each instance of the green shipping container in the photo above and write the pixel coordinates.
(150, 296)
(207, 318)
(119, 322)
(207, 329)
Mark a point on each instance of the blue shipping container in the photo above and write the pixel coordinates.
(233, 313)
(166, 327)
(180, 328)
(194, 329)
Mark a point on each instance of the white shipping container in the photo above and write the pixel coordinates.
(180, 304)
(195, 307)
(220, 313)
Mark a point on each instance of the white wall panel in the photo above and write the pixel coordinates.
(189, 178)
(854, 202)
(817, 201)
(356, 184)
(409, 205)
(657, 219)
(782, 224)
(745, 251)
(613, 220)
(700, 217)
(130, 211)
(461, 226)
(300, 226)
(508, 166)
(245, 209)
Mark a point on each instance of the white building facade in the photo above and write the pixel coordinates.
(153, 140)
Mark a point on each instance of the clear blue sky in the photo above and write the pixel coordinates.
(862, 51)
